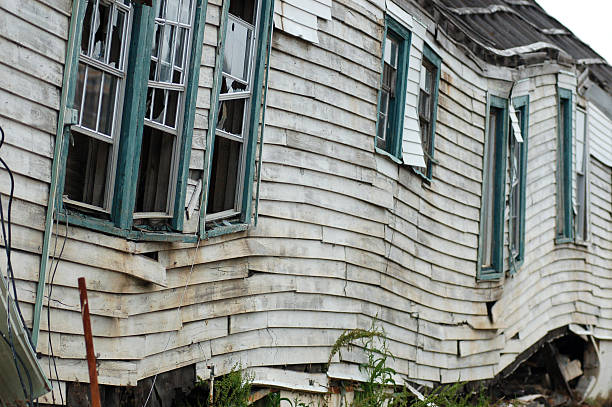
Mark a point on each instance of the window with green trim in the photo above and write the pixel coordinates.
(392, 93)
(428, 106)
(565, 230)
(127, 149)
(491, 241)
(518, 180)
(237, 97)
(582, 177)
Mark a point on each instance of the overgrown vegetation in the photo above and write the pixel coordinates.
(379, 390)
(231, 390)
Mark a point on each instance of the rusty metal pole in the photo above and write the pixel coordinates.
(91, 356)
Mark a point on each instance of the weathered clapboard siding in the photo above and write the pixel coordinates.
(345, 235)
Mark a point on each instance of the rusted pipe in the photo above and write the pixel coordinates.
(91, 356)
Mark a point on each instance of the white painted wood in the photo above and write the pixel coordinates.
(599, 128)
(299, 17)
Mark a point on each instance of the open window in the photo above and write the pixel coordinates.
(392, 93)
(127, 149)
(238, 100)
(491, 239)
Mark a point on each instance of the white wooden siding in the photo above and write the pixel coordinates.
(599, 130)
(345, 235)
(300, 17)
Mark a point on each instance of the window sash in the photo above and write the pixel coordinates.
(392, 91)
(87, 62)
(518, 179)
(582, 177)
(243, 138)
(564, 167)
(491, 240)
(427, 108)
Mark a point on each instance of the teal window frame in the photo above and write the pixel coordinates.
(435, 60)
(521, 104)
(395, 127)
(134, 103)
(496, 270)
(257, 110)
(564, 224)
(583, 201)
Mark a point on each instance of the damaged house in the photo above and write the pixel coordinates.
(241, 181)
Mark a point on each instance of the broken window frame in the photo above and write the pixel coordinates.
(564, 207)
(238, 218)
(582, 233)
(390, 125)
(490, 264)
(157, 84)
(518, 184)
(118, 215)
(88, 62)
(431, 61)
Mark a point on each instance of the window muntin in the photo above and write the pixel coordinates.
(101, 77)
(582, 160)
(232, 130)
(564, 168)
(491, 263)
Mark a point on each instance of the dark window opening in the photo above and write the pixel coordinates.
(154, 173)
(86, 170)
(224, 176)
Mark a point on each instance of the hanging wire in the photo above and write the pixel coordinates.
(57, 261)
(7, 240)
(178, 313)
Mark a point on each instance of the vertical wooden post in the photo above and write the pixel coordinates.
(91, 357)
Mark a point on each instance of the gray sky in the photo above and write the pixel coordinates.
(589, 20)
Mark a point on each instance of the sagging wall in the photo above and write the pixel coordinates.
(344, 235)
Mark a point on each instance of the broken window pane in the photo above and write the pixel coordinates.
(116, 45)
(229, 85)
(244, 9)
(157, 104)
(236, 56)
(87, 23)
(171, 108)
(231, 116)
(154, 173)
(101, 28)
(224, 176)
(86, 170)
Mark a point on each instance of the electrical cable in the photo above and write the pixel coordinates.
(178, 312)
(7, 237)
(7, 240)
(57, 261)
